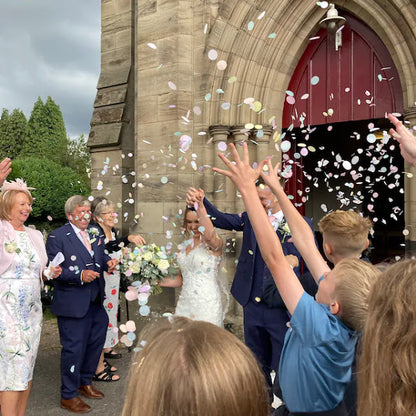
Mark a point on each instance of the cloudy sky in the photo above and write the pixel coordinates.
(51, 48)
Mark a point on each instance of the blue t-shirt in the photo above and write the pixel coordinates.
(315, 366)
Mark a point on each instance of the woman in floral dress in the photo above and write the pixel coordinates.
(22, 265)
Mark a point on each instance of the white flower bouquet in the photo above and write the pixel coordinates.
(147, 265)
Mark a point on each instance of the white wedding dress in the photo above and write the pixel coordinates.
(200, 298)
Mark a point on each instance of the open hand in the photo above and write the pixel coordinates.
(5, 169)
(136, 239)
(240, 171)
(405, 138)
(272, 179)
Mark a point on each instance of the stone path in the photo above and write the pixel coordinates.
(45, 395)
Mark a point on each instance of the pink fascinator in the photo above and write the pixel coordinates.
(16, 185)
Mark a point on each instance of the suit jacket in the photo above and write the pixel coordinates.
(243, 280)
(71, 296)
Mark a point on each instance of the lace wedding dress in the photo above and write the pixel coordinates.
(200, 298)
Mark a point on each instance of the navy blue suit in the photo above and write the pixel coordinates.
(265, 314)
(82, 319)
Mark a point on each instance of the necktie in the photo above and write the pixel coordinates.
(87, 243)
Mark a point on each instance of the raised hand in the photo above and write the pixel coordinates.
(240, 171)
(272, 179)
(192, 196)
(5, 169)
(405, 138)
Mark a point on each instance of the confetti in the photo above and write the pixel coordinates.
(314, 80)
(222, 146)
(152, 45)
(221, 65)
(212, 54)
(172, 86)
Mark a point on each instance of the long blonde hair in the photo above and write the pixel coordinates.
(387, 367)
(195, 368)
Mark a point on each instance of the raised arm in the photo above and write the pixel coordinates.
(220, 219)
(209, 236)
(405, 138)
(244, 177)
(302, 234)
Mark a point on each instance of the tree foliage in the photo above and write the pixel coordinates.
(46, 136)
(78, 157)
(54, 185)
(13, 131)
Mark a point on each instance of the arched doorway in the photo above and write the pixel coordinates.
(333, 121)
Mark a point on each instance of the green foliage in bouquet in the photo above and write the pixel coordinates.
(148, 264)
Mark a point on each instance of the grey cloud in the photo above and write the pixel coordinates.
(50, 47)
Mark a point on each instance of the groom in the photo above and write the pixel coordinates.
(78, 302)
(265, 314)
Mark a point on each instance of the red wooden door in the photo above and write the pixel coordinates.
(357, 82)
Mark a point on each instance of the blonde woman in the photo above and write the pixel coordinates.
(22, 265)
(387, 367)
(195, 368)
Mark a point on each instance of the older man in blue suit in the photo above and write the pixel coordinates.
(265, 314)
(78, 302)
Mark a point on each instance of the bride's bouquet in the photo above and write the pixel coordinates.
(146, 266)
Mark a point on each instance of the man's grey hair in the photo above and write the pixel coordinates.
(75, 201)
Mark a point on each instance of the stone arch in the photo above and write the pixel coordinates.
(264, 67)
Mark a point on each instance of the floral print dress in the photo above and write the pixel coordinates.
(20, 316)
(111, 301)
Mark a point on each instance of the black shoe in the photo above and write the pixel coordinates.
(112, 354)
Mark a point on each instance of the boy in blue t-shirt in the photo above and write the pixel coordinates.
(315, 365)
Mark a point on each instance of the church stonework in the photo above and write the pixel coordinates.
(158, 87)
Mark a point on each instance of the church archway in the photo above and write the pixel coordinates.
(333, 119)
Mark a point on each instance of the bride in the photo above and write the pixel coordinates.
(198, 259)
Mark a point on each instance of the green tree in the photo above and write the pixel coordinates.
(78, 157)
(53, 184)
(13, 132)
(46, 132)
(4, 120)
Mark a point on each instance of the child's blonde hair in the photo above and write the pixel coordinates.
(387, 366)
(346, 231)
(354, 279)
(195, 368)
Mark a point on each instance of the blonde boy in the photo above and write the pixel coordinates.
(345, 234)
(315, 365)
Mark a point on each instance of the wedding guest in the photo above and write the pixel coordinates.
(22, 265)
(78, 302)
(265, 315)
(315, 367)
(104, 217)
(199, 259)
(194, 368)
(387, 366)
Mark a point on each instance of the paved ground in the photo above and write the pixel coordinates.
(45, 396)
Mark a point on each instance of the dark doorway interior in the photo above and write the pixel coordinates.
(351, 170)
